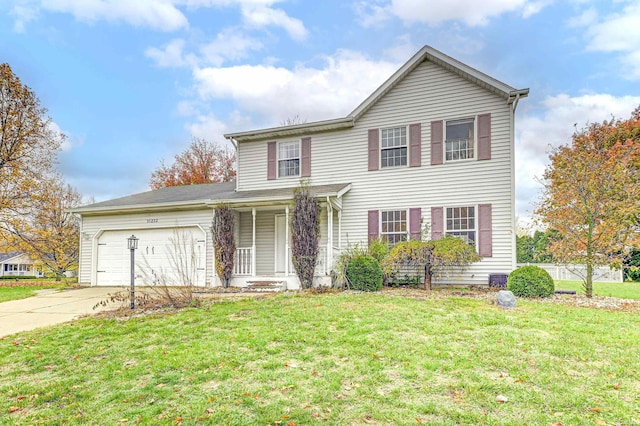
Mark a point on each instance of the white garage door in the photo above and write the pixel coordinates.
(164, 256)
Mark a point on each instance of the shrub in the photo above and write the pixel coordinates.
(378, 249)
(364, 273)
(531, 281)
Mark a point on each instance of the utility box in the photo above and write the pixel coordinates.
(498, 281)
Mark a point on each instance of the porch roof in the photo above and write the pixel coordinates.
(202, 196)
(279, 195)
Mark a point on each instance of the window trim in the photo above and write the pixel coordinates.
(475, 228)
(382, 235)
(278, 159)
(406, 146)
(475, 139)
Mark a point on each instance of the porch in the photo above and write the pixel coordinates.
(263, 240)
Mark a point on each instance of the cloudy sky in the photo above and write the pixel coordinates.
(131, 81)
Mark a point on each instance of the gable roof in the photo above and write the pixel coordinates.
(4, 257)
(203, 196)
(501, 89)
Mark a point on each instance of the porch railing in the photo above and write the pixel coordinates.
(243, 261)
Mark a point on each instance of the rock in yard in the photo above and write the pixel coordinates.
(502, 398)
(506, 299)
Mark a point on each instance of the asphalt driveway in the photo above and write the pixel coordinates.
(51, 307)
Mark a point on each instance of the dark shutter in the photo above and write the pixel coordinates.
(485, 234)
(484, 137)
(414, 223)
(373, 224)
(374, 150)
(271, 160)
(437, 223)
(415, 145)
(305, 158)
(436, 142)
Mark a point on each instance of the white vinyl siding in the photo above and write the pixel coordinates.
(428, 93)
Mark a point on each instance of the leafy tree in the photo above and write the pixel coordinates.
(49, 233)
(632, 266)
(224, 243)
(592, 195)
(437, 257)
(28, 143)
(305, 233)
(201, 162)
(525, 249)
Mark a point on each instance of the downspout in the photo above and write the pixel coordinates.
(235, 146)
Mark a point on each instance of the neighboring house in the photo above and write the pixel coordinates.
(430, 151)
(16, 264)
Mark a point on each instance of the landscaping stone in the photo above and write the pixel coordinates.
(506, 299)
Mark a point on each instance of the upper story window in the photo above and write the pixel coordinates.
(393, 150)
(460, 138)
(461, 222)
(393, 225)
(288, 159)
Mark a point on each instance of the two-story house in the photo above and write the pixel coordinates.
(430, 152)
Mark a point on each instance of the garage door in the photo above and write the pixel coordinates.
(164, 256)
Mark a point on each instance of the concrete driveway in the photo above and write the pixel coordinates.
(51, 307)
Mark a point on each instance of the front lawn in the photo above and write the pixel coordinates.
(624, 290)
(21, 292)
(330, 359)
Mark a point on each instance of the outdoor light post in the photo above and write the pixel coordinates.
(133, 245)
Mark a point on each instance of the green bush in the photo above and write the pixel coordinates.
(531, 281)
(364, 273)
(378, 249)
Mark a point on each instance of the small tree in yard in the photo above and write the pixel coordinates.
(437, 257)
(224, 242)
(305, 232)
(592, 196)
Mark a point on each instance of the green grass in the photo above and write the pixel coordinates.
(330, 359)
(21, 292)
(624, 290)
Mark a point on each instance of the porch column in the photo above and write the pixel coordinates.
(253, 243)
(329, 259)
(286, 240)
(339, 229)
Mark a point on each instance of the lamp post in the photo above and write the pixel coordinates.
(132, 243)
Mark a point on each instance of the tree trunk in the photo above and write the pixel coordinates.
(588, 285)
(427, 278)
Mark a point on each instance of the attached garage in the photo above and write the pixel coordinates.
(168, 256)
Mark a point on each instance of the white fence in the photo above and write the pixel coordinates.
(578, 272)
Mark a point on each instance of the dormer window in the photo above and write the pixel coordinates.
(288, 159)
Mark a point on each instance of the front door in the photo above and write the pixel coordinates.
(280, 248)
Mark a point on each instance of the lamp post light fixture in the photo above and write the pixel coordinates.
(132, 243)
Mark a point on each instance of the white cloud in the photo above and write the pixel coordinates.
(229, 44)
(207, 127)
(171, 55)
(536, 135)
(160, 14)
(617, 32)
(275, 93)
(471, 12)
(260, 16)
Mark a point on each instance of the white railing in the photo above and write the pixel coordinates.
(578, 272)
(321, 262)
(243, 261)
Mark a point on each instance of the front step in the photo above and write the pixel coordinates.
(265, 286)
